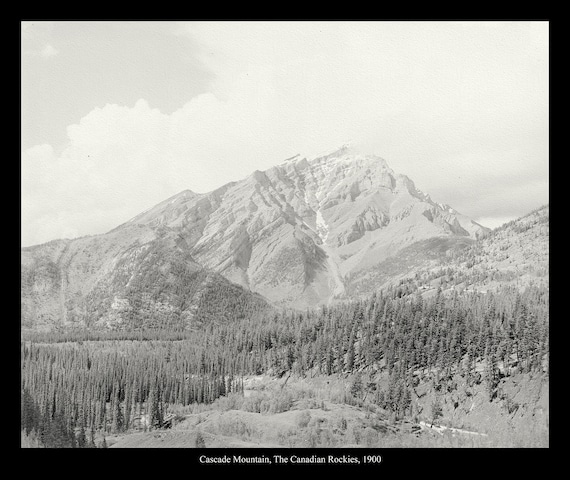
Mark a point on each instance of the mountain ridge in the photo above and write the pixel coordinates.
(319, 209)
(300, 234)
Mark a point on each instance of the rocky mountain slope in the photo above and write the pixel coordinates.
(128, 278)
(303, 233)
(515, 254)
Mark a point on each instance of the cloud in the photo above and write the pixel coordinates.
(121, 160)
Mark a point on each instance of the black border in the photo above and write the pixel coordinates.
(405, 462)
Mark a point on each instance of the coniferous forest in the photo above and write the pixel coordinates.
(79, 385)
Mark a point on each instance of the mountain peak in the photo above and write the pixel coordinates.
(303, 232)
(346, 156)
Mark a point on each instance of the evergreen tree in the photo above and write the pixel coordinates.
(436, 409)
(81, 439)
(199, 442)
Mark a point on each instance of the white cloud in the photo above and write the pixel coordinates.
(121, 160)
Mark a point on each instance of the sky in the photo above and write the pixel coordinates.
(118, 116)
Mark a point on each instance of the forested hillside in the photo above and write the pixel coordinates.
(154, 285)
(104, 385)
(516, 254)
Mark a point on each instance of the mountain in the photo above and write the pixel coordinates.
(302, 233)
(515, 254)
(306, 231)
(130, 278)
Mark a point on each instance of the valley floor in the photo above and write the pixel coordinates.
(318, 412)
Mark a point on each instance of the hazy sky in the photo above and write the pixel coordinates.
(118, 116)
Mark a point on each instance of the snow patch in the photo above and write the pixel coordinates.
(322, 227)
(336, 282)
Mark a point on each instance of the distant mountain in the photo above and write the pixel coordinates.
(303, 233)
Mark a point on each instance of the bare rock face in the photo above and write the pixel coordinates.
(298, 234)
